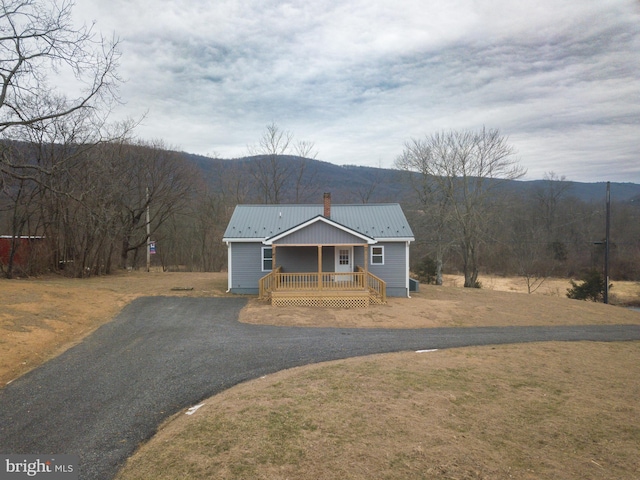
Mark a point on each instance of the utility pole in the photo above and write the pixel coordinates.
(606, 245)
(148, 235)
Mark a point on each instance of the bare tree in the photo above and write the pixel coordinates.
(274, 141)
(273, 172)
(549, 196)
(305, 186)
(145, 177)
(434, 215)
(372, 179)
(40, 46)
(366, 191)
(233, 184)
(38, 164)
(536, 245)
(530, 252)
(305, 149)
(463, 171)
(37, 41)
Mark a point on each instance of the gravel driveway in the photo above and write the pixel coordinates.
(101, 398)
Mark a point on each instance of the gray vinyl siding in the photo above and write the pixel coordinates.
(394, 270)
(297, 259)
(396, 291)
(317, 234)
(328, 259)
(358, 257)
(246, 261)
(305, 259)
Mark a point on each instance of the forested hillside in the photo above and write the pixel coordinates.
(89, 207)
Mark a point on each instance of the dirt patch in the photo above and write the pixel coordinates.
(550, 410)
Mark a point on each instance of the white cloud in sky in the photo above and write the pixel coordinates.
(358, 78)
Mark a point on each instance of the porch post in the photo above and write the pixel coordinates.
(365, 280)
(273, 258)
(320, 267)
(274, 279)
(366, 259)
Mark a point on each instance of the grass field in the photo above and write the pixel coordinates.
(536, 411)
(551, 410)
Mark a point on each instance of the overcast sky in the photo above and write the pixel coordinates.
(560, 78)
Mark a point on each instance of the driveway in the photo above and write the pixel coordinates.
(101, 398)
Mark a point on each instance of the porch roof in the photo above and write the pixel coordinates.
(260, 222)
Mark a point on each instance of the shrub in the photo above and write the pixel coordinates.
(591, 288)
(426, 270)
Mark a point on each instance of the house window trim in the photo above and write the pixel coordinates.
(263, 259)
(377, 255)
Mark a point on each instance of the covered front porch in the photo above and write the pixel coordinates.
(341, 278)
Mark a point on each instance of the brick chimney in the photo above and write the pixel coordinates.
(327, 205)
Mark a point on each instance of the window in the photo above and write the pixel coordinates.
(267, 259)
(377, 255)
(344, 257)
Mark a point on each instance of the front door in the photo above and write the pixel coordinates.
(344, 263)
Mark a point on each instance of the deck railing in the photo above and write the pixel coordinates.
(266, 284)
(377, 287)
(316, 281)
(329, 281)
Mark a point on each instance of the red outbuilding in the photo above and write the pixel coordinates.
(24, 246)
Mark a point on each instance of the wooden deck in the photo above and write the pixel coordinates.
(327, 289)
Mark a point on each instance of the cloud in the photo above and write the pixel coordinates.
(360, 77)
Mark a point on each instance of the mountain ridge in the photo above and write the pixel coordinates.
(353, 183)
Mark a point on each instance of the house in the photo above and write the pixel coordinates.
(319, 255)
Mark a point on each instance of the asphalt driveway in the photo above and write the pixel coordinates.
(101, 398)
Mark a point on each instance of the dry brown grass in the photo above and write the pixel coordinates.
(531, 411)
(525, 411)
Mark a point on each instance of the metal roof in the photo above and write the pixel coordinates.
(379, 221)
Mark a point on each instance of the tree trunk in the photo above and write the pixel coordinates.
(470, 266)
(439, 268)
(471, 277)
(124, 253)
